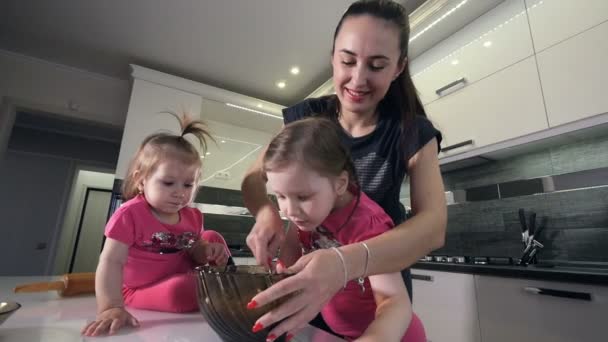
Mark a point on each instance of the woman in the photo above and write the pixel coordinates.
(385, 126)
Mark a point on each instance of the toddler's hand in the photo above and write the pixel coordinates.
(215, 253)
(110, 321)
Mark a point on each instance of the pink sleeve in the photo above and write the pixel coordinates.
(376, 225)
(121, 227)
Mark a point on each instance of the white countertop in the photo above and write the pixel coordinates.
(48, 317)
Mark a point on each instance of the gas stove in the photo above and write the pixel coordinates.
(471, 260)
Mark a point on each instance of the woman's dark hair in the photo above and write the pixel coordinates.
(402, 92)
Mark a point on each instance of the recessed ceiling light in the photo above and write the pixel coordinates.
(260, 105)
(295, 70)
(223, 141)
(488, 43)
(202, 157)
(455, 62)
(281, 84)
(208, 153)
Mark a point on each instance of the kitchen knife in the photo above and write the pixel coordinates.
(524, 228)
(531, 228)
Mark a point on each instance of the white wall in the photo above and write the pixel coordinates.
(53, 87)
(67, 239)
(236, 160)
(144, 117)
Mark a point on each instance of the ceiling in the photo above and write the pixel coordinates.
(244, 46)
(238, 45)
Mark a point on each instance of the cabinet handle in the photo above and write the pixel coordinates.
(455, 146)
(423, 277)
(462, 81)
(559, 293)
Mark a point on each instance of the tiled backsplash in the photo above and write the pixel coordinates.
(577, 227)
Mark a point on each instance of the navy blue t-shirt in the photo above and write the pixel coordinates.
(380, 159)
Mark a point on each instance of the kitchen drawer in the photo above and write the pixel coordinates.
(445, 302)
(497, 39)
(511, 310)
(506, 105)
(553, 21)
(574, 76)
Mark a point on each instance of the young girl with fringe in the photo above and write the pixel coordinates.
(316, 186)
(155, 239)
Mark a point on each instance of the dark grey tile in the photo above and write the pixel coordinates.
(521, 167)
(585, 154)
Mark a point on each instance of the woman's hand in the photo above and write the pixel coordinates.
(109, 321)
(266, 236)
(318, 276)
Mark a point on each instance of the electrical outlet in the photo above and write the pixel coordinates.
(224, 175)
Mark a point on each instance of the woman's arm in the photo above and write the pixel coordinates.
(267, 233)
(393, 309)
(319, 275)
(403, 245)
(108, 277)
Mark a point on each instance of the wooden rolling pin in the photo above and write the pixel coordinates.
(73, 284)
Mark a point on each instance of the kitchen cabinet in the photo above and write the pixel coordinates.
(505, 105)
(540, 311)
(497, 39)
(446, 304)
(145, 117)
(573, 75)
(553, 21)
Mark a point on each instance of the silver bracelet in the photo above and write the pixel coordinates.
(361, 279)
(343, 264)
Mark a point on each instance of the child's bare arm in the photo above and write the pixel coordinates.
(290, 250)
(394, 309)
(108, 279)
(111, 314)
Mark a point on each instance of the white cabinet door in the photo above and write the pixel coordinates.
(144, 117)
(553, 21)
(499, 38)
(505, 105)
(574, 76)
(512, 310)
(445, 302)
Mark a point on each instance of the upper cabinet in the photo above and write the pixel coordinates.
(505, 105)
(574, 74)
(497, 39)
(481, 85)
(553, 21)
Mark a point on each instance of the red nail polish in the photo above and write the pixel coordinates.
(280, 263)
(271, 338)
(252, 305)
(257, 327)
(288, 337)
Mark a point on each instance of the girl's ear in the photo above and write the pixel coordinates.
(341, 184)
(137, 175)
